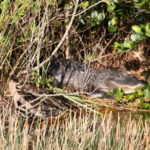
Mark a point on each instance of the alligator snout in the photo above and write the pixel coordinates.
(128, 86)
(130, 89)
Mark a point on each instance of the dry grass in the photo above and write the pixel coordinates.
(78, 131)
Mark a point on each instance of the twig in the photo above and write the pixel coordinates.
(103, 50)
(14, 68)
(58, 94)
(89, 8)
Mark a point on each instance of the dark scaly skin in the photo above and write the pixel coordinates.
(77, 76)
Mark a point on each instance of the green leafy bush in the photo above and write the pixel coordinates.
(142, 93)
(117, 93)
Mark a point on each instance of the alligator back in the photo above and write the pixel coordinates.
(71, 74)
(77, 76)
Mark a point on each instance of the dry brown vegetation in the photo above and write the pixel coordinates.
(75, 131)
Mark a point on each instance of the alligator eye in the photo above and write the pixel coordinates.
(118, 75)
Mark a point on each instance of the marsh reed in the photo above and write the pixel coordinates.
(75, 131)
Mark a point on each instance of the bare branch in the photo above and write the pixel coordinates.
(89, 8)
(60, 43)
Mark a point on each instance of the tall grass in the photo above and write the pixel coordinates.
(76, 131)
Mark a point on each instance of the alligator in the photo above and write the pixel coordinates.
(77, 76)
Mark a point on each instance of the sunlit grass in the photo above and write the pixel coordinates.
(74, 131)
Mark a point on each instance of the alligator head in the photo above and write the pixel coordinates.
(117, 79)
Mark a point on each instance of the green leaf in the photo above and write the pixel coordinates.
(69, 6)
(139, 3)
(110, 93)
(101, 16)
(112, 28)
(147, 93)
(144, 105)
(147, 29)
(114, 21)
(96, 18)
(130, 97)
(51, 2)
(136, 28)
(84, 5)
(136, 1)
(81, 20)
(140, 92)
(119, 95)
(94, 14)
(128, 44)
(136, 37)
(110, 8)
(35, 9)
(116, 1)
(117, 45)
